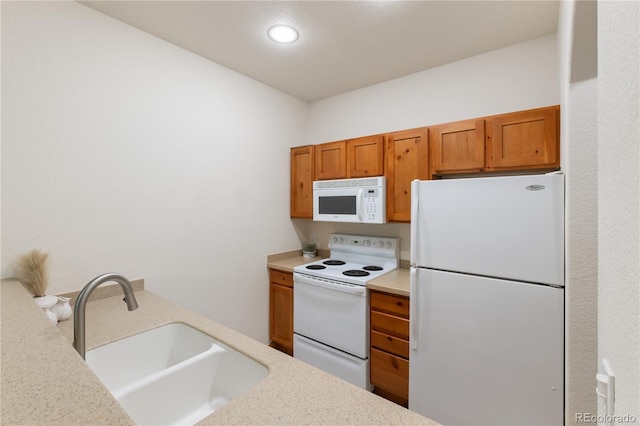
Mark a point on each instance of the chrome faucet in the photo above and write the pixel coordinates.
(81, 302)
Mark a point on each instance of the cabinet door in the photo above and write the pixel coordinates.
(331, 160)
(457, 147)
(524, 140)
(281, 316)
(302, 167)
(365, 156)
(406, 158)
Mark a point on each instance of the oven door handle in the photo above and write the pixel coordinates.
(358, 290)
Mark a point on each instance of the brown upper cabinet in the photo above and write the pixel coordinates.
(517, 141)
(524, 140)
(365, 156)
(457, 147)
(406, 160)
(354, 158)
(331, 160)
(302, 175)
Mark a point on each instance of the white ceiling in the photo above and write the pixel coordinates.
(343, 45)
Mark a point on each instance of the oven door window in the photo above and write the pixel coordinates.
(342, 204)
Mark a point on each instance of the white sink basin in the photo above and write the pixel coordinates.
(173, 375)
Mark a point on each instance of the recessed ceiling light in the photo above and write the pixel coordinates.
(283, 34)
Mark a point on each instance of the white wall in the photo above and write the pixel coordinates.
(123, 153)
(514, 78)
(619, 198)
(578, 66)
(581, 210)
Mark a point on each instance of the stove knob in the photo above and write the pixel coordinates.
(381, 244)
(388, 245)
(367, 243)
(341, 240)
(335, 240)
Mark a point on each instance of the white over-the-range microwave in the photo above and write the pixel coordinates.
(360, 200)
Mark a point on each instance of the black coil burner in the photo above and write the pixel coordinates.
(355, 273)
(316, 267)
(331, 262)
(372, 268)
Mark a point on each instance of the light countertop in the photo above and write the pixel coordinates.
(289, 260)
(44, 381)
(395, 282)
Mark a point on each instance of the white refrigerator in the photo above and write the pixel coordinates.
(487, 300)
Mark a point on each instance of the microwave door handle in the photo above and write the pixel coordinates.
(361, 206)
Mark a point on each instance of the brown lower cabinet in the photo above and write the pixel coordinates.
(281, 310)
(389, 340)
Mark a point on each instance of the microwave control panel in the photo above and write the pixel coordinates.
(372, 201)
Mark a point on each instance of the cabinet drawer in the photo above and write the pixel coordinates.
(280, 277)
(390, 344)
(397, 305)
(388, 324)
(390, 373)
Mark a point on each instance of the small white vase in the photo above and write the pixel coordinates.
(62, 309)
(308, 254)
(46, 303)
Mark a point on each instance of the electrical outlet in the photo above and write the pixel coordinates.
(606, 388)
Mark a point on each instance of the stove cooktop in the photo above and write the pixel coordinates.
(355, 259)
(355, 273)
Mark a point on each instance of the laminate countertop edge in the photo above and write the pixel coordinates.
(45, 382)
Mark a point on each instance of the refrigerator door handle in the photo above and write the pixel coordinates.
(413, 314)
(413, 255)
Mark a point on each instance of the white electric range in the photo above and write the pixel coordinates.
(331, 309)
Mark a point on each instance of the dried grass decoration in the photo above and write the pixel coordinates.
(32, 272)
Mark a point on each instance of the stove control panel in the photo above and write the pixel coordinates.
(346, 241)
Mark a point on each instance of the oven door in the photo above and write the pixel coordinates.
(338, 205)
(332, 313)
